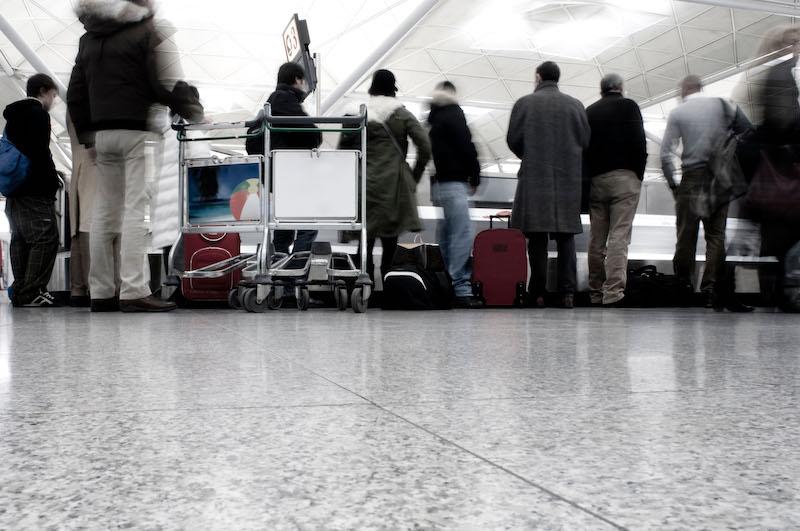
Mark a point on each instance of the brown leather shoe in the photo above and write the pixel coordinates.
(146, 304)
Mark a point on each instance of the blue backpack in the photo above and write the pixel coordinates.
(13, 167)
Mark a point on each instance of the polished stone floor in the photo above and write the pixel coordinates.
(553, 419)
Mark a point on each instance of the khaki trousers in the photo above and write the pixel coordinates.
(612, 207)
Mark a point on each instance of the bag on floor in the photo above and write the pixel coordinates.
(13, 167)
(648, 288)
(418, 280)
(791, 280)
(500, 266)
(202, 250)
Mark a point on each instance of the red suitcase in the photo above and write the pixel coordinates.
(201, 250)
(500, 266)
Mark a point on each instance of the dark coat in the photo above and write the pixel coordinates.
(778, 95)
(548, 131)
(115, 79)
(618, 141)
(454, 154)
(285, 101)
(391, 183)
(28, 128)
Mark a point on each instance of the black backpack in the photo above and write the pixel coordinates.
(648, 288)
(418, 280)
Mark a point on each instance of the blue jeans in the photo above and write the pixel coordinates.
(454, 233)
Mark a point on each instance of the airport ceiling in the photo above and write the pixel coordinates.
(231, 49)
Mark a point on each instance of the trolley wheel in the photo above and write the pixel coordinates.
(234, 301)
(250, 304)
(303, 299)
(340, 296)
(273, 302)
(358, 301)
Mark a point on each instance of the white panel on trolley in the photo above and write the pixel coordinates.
(312, 185)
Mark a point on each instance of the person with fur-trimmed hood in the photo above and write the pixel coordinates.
(114, 83)
(391, 183)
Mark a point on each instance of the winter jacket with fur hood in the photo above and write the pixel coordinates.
(454, 154)
(115, 80)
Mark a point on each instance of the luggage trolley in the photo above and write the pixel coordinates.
(219, 196)
(313, 189)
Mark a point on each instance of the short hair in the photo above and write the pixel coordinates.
(288, 73)
(692, 82)
(39, 83)
(611, 83)
(446, 85)
(549, 71)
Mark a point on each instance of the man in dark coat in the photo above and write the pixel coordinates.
(113, 85)
(31, 208)
(458, 174)
(548, 131)
(287, 100)
(615, 161)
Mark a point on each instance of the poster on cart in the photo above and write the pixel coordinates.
(223, 193)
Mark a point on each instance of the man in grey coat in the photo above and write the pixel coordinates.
(548, 131)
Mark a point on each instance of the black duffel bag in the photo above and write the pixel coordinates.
(648, 288)
(418, 280)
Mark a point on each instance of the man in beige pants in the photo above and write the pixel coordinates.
(615, 160)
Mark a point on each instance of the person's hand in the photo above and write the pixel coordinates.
(674, 190)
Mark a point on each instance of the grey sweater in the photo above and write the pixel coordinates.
(698, 124)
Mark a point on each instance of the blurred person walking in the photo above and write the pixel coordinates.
(548, 131)
(615, 160)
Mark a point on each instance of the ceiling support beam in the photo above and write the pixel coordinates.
(400, 33)
(776, 8)
(29, 53)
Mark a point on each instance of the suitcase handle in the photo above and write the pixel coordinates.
(493, 217)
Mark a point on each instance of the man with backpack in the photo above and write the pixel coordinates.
(30, 207)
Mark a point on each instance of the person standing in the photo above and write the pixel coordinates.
(287, 100)
(615, 160)
(697, 124)
(548, 131)
(113, 85)
(458, 175)
(31, 208)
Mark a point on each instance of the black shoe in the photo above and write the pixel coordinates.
(708, 300)
(146, 304)
(469, 302)
(104, 305)
(536, 301)
(43, 300)
(616, 304)
(567, 301)
(734, 307)
(79, 301)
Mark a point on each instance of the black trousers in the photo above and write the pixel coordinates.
(34, 245)
(389, 246)
(567, 262)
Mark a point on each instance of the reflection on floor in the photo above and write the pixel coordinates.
(554, 419)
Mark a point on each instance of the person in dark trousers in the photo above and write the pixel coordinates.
(117, 78)
(458, 175)
(31, 208)
(287, 100)
(697, 124)
(548, 131)
(615, 160)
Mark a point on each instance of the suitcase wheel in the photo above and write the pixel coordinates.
(521, 295)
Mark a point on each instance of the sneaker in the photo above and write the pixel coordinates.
(468, 302)
(43, 300)
(146, 304)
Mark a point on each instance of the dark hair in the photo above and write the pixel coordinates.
(611, 83)
(288, 73)
(446, 85)
(39, 83)
(549, 71)
(383, 84)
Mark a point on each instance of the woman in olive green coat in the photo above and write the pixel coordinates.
(391, 183)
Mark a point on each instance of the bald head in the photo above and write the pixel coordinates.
(691, 84)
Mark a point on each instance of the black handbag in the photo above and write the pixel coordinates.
(646, 287)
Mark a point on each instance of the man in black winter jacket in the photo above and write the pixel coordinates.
(287, 100)
(31, 208)
(615, 160)
(458, 174)
(115, 82)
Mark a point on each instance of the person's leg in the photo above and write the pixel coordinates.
(36, 223)
(79, 265)
(18, 251)
(388, 247)
(537, 255)
(443, 225)
(282, 240)
(567, 264)
(688, 225)
(455, 201)
(599, 222)
(106, 219)
(370, 258)
(304, 240)
(714, 229)
(622, 212)
(134, 273)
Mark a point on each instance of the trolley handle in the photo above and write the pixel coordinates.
(345, 121)
(178, 126)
